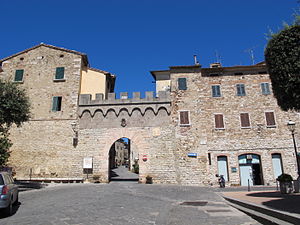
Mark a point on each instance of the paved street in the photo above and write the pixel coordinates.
(122, 203)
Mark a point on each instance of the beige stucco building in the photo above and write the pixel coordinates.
(201, 122)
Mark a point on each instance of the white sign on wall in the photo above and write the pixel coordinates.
(88, 163)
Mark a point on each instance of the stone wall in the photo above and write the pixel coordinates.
(202, 138)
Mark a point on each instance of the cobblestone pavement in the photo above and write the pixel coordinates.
(122, 203)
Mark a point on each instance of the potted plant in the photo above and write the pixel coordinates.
(285, 182)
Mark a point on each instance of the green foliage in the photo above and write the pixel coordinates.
(14, 109)
(14, 105)
(282, 56)
(285, 178)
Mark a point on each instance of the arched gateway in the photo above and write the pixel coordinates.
(146, 122)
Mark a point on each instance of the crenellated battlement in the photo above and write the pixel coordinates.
(86, 99)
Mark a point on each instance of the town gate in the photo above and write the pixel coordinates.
(145, 121)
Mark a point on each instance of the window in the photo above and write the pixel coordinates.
(56, 103)
(216, 91)
(182, 84)
(219, 122)
(19, 75)
(245, 121)
(265, 88)
(270, 118)
(60, 73)
(240, 90)
(184, 118)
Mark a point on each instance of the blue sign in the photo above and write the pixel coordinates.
(192, 154)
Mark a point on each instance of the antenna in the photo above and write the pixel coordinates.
(218, 57)
(250, 51)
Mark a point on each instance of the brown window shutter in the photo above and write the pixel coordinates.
(270, 119)
(219, 121)
(245, 121)
(184, 118)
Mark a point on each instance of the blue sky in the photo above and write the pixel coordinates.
(129, 38)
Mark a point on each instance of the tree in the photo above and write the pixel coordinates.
(282, 56)
(14, 109)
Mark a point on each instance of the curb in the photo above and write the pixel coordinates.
(280, 215)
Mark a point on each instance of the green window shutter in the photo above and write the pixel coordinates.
(182, 84)
(54, 104)
(60, 73)
(19, 75)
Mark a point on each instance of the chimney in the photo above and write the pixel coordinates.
(195, 60)
(215, 65)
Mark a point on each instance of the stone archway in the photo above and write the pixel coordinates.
(139, 144)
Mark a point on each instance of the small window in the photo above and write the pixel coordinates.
(216, 91)
(219, 122)
(184, 119)
(240, 90)
(270, 118)
(182, 84)
(265, 88)
(19, 75)
(56, 103)
(245, 121)
(60, 73)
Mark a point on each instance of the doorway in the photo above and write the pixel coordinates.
(250, 170)
(122, 166)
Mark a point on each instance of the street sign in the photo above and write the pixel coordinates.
(192, 154)
(88, 163)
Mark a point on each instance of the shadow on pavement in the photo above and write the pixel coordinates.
(15, 209)
(29, 185)
(288, 203)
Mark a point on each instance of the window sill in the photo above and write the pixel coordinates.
(184, 125)
(273, 126)
(18, 82)
(245, 127)
(220, 129)
(59, 80)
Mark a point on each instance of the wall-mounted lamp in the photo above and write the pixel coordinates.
(75, 130)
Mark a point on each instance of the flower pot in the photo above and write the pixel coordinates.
(286, 187)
